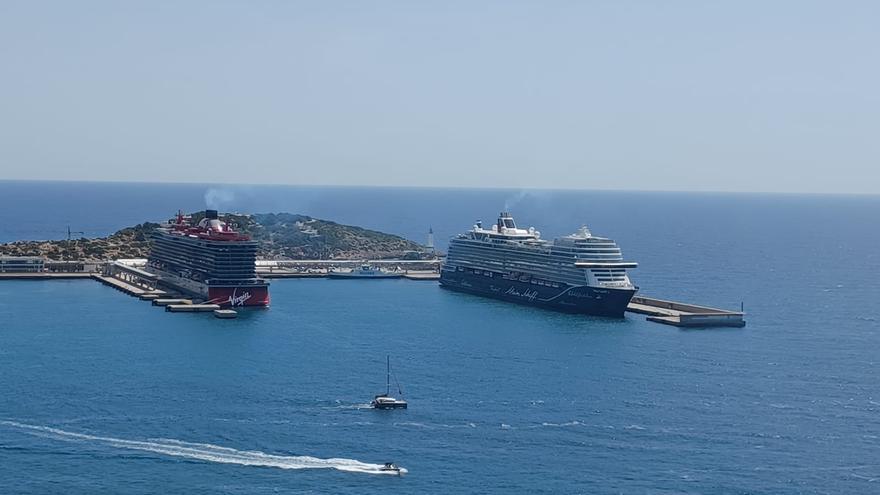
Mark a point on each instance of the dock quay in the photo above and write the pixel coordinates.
(128, 276)
(285, 273)
(127, 287)
(320, 268)
(45, 275)
(168, 302)
(322, 273)
(225, 314)
(684, 315)
(192, 308)
(421, 275)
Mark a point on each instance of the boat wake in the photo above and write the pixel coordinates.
(208, 452)
(365, 405)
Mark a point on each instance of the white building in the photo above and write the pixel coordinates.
(21, 264)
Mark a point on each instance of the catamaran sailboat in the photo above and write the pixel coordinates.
(385, 401)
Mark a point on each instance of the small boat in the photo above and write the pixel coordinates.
(391, 467)
(386, 401)
(364, 271)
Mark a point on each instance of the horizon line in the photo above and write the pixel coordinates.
(473, 188)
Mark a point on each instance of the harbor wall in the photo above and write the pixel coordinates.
(676, 306)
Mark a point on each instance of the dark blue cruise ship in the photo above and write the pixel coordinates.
(577, 273)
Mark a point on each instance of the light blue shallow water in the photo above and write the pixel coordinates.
(103, 393)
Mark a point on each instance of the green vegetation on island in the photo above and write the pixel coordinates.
(280, 236)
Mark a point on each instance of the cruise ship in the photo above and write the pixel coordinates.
(209, 260)
(577, 273)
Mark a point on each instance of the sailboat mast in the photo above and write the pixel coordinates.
(388, 375)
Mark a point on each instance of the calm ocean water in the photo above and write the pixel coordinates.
(102, 393)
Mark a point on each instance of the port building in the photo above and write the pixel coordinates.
(21, 264)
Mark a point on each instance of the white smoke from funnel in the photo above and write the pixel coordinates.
(218, 199)
(514, 201)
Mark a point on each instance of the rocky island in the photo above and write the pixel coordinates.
(280, 236)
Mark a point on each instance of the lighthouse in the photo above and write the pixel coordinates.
(430, 245)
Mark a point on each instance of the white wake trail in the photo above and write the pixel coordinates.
(209, 452)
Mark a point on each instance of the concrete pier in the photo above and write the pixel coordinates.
(192, 308)
(684, 315)
(421, 275)
(166, 302)
(285, 273)
(123, 286)
(320, 268)
(128, 276)
(131, 275)
(44, 275)
(225, 314)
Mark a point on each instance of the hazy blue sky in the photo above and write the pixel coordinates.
(739, 96)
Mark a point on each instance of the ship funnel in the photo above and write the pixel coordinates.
(211, 214)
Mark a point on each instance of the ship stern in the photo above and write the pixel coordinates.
(239, 296)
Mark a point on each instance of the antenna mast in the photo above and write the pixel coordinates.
(388, 375)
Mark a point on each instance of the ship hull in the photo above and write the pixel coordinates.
(597, 301)
(239, 296)
(226, 296)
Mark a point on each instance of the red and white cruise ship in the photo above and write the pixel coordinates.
(209, 260)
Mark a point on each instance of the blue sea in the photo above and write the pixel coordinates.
(103, 393)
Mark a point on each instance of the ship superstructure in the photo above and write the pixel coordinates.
(578, 273)
(210, 260)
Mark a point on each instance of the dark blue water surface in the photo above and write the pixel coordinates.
(102, 393)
